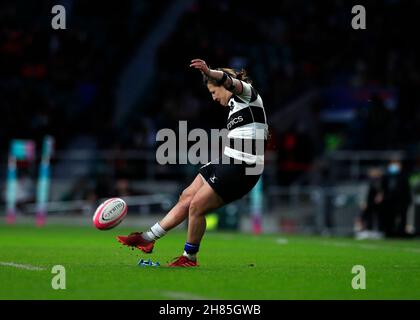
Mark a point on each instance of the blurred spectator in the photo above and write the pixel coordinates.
(372, 224)
(388, 199)
(396, 199)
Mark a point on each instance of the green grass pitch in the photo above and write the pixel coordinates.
(232, 266)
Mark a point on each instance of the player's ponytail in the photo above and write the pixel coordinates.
(243, 76)
(240, 75)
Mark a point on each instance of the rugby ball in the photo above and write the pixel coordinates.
(110, 214)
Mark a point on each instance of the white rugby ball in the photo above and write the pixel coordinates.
(110, 214)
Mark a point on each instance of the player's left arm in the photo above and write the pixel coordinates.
(237, 87)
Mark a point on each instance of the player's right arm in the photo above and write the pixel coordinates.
(235, 86)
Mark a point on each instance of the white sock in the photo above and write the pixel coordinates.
(191, 256)
(155, 232)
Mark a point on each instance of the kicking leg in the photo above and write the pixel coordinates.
(180, 211)
(145, 240)
(205, 199)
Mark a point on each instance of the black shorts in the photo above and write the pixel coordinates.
(229, 181)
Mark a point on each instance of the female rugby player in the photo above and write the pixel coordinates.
(218, 182)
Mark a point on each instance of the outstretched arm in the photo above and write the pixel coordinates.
(233, 85)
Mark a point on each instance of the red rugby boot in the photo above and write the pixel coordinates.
(135, 239)
(183, 261)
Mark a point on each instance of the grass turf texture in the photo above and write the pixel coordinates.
(232, 266)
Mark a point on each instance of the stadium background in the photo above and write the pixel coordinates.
(339, 102)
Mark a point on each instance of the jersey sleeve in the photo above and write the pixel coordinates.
(248, 93)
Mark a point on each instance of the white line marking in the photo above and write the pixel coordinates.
(370, 246)
(336, 244)
(412, 250)
(21, 266)
(367, 246)
(182, 295)
(282, 241)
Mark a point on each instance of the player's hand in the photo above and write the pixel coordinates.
(200, 65)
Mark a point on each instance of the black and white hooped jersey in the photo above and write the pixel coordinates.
(247, 126)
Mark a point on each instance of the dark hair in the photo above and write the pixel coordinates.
(240, 75)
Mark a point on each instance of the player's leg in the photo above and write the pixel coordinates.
(145, 240)
(205, 199)
(180, 211)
